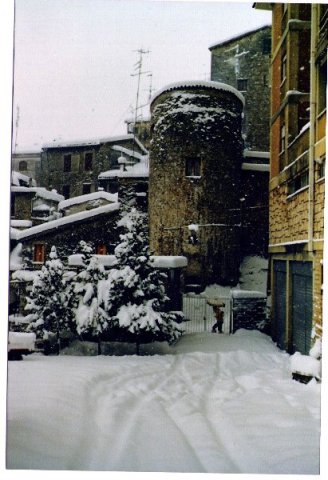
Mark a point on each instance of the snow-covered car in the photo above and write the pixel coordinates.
(19, 344)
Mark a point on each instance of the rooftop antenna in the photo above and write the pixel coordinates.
(17, 125)
(138, 73)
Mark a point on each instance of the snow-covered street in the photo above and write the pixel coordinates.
(212, 403)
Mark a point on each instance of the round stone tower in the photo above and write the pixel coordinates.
(194, 179)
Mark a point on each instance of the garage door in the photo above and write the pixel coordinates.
(279, 268)
(301, 273)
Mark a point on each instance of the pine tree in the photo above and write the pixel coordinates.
(48, 302)
(136, 297)
(90, 318)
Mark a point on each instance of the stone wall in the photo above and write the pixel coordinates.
(248, 58)
(249, 313)
(104, 158)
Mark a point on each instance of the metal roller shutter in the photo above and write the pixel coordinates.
(279, 269)
(301, 306)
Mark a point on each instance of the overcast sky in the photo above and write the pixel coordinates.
(74, 59)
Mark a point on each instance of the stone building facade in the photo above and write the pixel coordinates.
(297, 172)
(194, 178)
(244, 63)
(27, 163)
(73, 168)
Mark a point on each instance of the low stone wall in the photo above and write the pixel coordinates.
(249, 311)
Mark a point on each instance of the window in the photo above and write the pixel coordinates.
(86, 188)
(67, 163)
(22, 167)
(242, 84)
(265, 80)
(12, 206)
(38, 253)
(322, 87)
(101, 249)
(88, 161)
(66, 191)
(322, 168)
(283, 68)
(266, 46)
(298, 183)
(282, 138)
(193, 167)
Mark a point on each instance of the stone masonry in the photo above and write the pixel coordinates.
(194, 181)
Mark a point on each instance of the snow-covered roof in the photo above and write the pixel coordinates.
(40, 192)
(100, 195)
(41, 208)
(25, 275)
(16, 177)
(21, 223)
(257, 167)
(129, 152)
(201, 84)
(137, 170)
(70, 219)
(237, 37)
(94, 141)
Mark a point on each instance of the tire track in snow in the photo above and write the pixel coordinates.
(106, 446)
(207, 446)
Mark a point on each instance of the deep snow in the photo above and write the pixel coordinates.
(212, 403)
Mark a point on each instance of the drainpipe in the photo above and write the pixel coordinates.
(313, 109)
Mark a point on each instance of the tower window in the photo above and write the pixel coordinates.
(242, 84)
(193, 167)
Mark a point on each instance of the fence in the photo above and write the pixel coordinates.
(200, 314)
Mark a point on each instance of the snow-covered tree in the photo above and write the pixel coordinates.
(134, 293)
(48, 301)
(90, 318)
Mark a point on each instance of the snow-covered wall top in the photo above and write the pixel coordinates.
(101, 195)
(168, 261)
(76, 260)
(75, 217)
(201, 84)
(40, 192)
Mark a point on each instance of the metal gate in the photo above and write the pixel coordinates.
(280, 303)
(301, 306)
(200, 315)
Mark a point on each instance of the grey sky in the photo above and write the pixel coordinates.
(74, 59)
